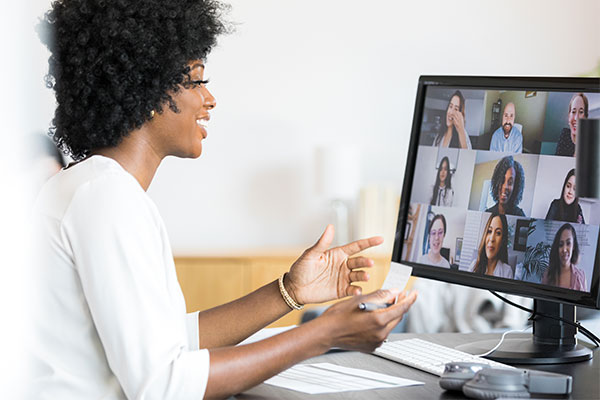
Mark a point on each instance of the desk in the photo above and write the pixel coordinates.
(586, 375)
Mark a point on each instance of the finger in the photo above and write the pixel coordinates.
(360, 245)
(381, 296)
(359, 276)
(353, 290)
(360, 262)
(398, 310)
(325, 240)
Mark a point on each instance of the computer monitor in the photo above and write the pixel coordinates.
(490, 177)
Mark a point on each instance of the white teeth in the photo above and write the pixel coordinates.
(203, 123)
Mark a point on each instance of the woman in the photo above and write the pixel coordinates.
(454, 134)
(578, 108)
(492, 257)
(562, 267)
(437, 232)
(508, 182)
(443, 194)
(130, 91)
(566, 208)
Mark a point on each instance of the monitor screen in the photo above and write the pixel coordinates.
(489, 195)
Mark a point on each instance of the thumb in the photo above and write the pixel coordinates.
(325, 240)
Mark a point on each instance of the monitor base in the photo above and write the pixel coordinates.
(552, 342)
(525, 351)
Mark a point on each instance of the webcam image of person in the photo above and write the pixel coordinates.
(507, 138)
(566, 208)
(578, 108)
(492, 257)
(562, 268)
(437, 233)
(454, 134)
(443, 194)
(508, 182)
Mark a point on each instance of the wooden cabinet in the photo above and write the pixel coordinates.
(208, 281)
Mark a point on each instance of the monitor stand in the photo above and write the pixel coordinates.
(552, 342)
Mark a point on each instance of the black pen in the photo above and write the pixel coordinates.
(372, 306)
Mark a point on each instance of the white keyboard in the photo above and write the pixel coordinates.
(428, 356)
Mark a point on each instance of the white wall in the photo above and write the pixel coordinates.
(304, 73)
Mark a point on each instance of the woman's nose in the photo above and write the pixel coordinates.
(209, 100)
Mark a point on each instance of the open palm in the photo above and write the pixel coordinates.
(322, 274)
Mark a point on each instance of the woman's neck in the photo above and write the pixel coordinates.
(491, 266)
(442, 184)
(434, 257)
(501, 208)
(136, 155)
(564, 275)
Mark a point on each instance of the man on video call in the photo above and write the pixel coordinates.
(507, 138)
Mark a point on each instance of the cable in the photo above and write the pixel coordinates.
(501, 340)
(534, 313)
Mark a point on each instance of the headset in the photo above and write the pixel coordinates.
(480, 381)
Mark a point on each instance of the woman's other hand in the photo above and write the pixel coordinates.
(323, 274)
(366, 330)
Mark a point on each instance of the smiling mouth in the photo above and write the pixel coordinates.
(203, 123)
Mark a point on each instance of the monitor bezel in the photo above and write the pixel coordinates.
(522, 288)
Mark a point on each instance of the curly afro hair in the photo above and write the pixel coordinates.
(114, 61)
(498, 179)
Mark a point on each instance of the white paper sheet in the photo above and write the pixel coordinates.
(397, 277)
(331, 378)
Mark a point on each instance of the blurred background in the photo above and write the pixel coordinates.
(296, 80)
(300, 77)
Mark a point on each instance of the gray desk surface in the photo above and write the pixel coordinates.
(586, 375)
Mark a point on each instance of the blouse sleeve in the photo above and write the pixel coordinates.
(118, 253)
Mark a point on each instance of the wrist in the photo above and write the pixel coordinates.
(291, 288)
(288, 293)
(324, 331)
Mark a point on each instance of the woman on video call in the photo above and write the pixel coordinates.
(437, 233)
(454, 133)
(492, 256)
(443, 194)
(110, 318)
(562, 267)
(508, 182)
(566, 208)
(578, 108)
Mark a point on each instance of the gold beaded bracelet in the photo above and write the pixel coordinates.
(286, 296)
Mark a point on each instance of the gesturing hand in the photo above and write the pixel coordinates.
(459, 121)
(322, 274)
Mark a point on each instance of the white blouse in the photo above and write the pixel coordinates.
(110, 319)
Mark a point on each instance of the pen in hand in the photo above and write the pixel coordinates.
(375, 306)
(372, 306)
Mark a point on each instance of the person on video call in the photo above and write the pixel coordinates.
(453, 133)
(437, 233)
(562, 267)
(508, 182)
(578, 108)
(110, 318)
(443, 194)
(566, 208)
(507, 138)
(492, 256)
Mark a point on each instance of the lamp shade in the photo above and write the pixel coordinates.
(588, 158)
